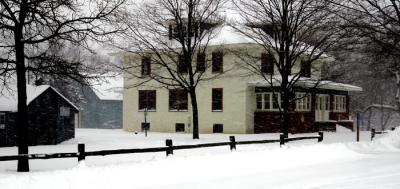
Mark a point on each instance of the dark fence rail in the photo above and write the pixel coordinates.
(374, 133)
(169, 149)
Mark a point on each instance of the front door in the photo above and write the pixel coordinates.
(322, 108)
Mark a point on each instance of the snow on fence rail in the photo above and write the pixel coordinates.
(169, 149)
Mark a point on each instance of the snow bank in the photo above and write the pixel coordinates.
(389, 141)
(335, 163)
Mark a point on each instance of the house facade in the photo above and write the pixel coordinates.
(236, 101)
(52, 118)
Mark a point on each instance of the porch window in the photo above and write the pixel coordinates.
(339, 103)
(147, 100)
(217, 99)
(2, 121)
(268, 101)
(178, 100)
(322, 103)
(303, 102)
(217, 62)
(146, 66)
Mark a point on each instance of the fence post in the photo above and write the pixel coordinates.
(321, 136)
(170, 150)
(372, 134)
(282, 139)
(81, 152)
(233, 142)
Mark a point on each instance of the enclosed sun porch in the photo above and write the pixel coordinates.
(314, 106)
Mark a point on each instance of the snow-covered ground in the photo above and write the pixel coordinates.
(338, 162)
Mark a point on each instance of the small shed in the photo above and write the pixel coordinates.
(52, 118)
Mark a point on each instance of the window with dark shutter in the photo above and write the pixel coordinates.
(217, 62)
(182, 66)
(146, 66)
(217, 99)
(201, 62)
(305, 70)
(147, 100)
(267, 63)
(178, 100)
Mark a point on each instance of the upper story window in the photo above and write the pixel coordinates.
(2, 120)
(303, 102)
(217, 62)
(217, 99)
(178, 100)
(267, 63)
(201, 62)
(339, 103)
(268, 101)
(146, 66)
(147, 100)
(182, 65)
(305, 68)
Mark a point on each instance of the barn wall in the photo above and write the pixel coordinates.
(8, 135)
(46, 126)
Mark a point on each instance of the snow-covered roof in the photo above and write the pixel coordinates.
(109, 87)
(9, 98)
(227, 35)
(308, 83)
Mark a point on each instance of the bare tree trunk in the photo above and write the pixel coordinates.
(195, 113)
(22, 115)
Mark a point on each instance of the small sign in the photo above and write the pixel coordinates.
(64, 111)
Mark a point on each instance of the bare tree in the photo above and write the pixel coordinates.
(174, 34)
(377, 23)
(292, 32)
(37, 26)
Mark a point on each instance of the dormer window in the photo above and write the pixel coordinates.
(146, 66)
(267, 63)
(269, 29)
(305, 68)
(175, 32)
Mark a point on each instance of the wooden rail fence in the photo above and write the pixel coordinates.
(169, 148)
(374, 133)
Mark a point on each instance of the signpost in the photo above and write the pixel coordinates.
(359, 124)
(146, 125)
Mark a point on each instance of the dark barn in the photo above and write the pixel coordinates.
(52, 118)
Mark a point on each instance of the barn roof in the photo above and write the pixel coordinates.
(9, 98)
(109, 87)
